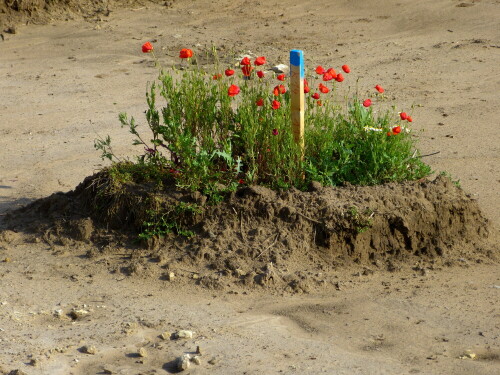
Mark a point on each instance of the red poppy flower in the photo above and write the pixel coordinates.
(246, 70)
(306, 89)
(403, 115)
(245, 61)
(147, 47)
(259, 102)
(332, 72)
(260, 60)
(319, 103)
(379, 88)
(278, 90)
(389, 134)
(320, 70)
(217, 76)
(281, 77)
(276, 104)
(260, 74)
(409, 119)
(396, 129)
(339, 78)
(233, 90)
(275, 132)
(323, 89)
(185, 53)
(327, 77)
(241, 181)
(315, 95)
(229, 72)
(367, 103)
(346, 68)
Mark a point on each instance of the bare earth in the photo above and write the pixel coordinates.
(63, 83)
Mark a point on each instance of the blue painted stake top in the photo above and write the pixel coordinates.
(297, 96)
(297, 59)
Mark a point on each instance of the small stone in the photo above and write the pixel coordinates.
(184, 334)
(195, 276)
(183, 362)
(196, 360)
(239, 272)
(142, 353)
(17, 372)
(89, 349)
(7, 260)
(281, 68)
(34, 362)
(165, 335)
(78, 314)
(468, 355)
(109, 369)
(11, 30)
(213, 361)
(170, 276)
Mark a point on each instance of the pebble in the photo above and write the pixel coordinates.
(281, 68)
(196, 360)
(165, 335)
(183, 362)
(184, 334)
(468, 355)
(89, 349)
(170, 276)
(142, 353)
(213, 361)
(17, 372)
(78, 314)
(109, 369)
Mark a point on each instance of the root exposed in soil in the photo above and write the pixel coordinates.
(286, 240)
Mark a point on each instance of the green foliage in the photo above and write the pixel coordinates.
(201, 138)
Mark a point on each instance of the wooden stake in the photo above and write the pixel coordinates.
(297, 93)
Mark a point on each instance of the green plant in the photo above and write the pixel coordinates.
(360, 221)
(448, 175)
(213, 132)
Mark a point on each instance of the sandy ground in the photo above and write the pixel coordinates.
(64, 83)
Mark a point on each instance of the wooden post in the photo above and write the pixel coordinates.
(297, 93)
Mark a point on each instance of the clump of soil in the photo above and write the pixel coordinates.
(293, 240)
(14, 12)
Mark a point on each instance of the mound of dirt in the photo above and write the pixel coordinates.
(14, 12)
(286, 240)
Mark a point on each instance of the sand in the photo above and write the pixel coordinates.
(63, 83)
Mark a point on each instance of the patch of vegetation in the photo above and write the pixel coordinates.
(214, 132)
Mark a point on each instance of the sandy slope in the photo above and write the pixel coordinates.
(62, 84)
